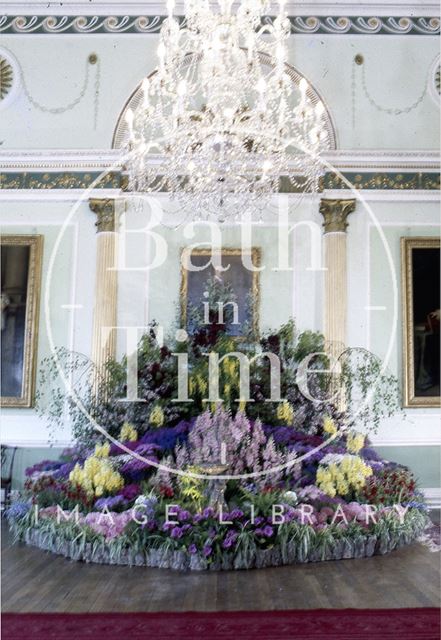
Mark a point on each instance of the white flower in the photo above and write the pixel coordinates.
(290, 496)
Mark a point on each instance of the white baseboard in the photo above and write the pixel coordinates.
(433, 497)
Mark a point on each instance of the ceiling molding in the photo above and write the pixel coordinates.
(60, 159)
(99, 159)
(158, 7)
(117, 20)
(386, 195)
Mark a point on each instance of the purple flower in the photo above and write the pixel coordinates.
(259, 520)
(207, 550)
(268, 531)
(183, 515)
(192, 549)
(63, 472)
(130, 492)
(176, 532)
(230, 539)
(236, 514)
(17, 510)
(109, 503)
(208, 512)
(44, 465)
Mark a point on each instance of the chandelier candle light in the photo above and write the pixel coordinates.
(221, 121)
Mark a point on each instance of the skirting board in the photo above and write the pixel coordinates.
(433, 497)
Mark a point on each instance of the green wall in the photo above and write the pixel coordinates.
(424, 461)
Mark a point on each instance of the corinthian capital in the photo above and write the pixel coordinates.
(335, 214)
(104, 208)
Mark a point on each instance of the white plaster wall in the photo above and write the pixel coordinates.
(69, 264)
(375, 315)
(396, 71)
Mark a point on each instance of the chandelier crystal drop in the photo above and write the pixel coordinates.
(220, 121)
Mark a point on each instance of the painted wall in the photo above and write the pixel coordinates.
(396, 69)
(68, 278)
(396, 72)
(376, 320)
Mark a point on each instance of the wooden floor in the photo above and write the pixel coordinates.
(35, 581)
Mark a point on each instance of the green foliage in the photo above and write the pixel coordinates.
(371, 393)
(66, 391)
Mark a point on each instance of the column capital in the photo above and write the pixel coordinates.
(335, 214)
(104, 208)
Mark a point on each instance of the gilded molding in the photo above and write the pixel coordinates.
(408, 329)
(35, 243)
(104, 208)
(306, 24)
(335, 214)
(366, 180)
(383, 180)
(59, 180)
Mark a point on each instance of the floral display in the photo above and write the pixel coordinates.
(232, 484)
(318, 501)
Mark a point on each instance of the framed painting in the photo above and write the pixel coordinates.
(21, 257)
(237, 288)
(420, 265)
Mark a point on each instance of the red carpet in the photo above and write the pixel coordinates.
(318, 624)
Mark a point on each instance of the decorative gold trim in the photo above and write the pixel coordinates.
(35, 242)
(407, 246)
(256, 257)
(6, 77)
(335, 214)
(104, 208)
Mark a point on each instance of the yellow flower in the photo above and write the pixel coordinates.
(128, 433)
(157, 417)
(102, 450)
(329, 426)
(285, 412)
(201, 384)
(354, 442)
(242, 405)
(97, 476)
(350, 472)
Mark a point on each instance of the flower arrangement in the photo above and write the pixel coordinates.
(298, 487)
(332, 504)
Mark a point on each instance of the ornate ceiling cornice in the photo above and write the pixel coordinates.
(307, 24)
(96, 160)
(158, 7)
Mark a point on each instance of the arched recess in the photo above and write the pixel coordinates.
(120, 133)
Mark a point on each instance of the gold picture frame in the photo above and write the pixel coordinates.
(256, 258)
(26, 341)
(414, 335)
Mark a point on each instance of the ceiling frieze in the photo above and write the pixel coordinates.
(307, 24)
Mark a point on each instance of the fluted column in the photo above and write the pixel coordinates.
(105, 311)
(335, 214)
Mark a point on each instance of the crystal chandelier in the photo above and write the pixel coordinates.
(220, 121)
